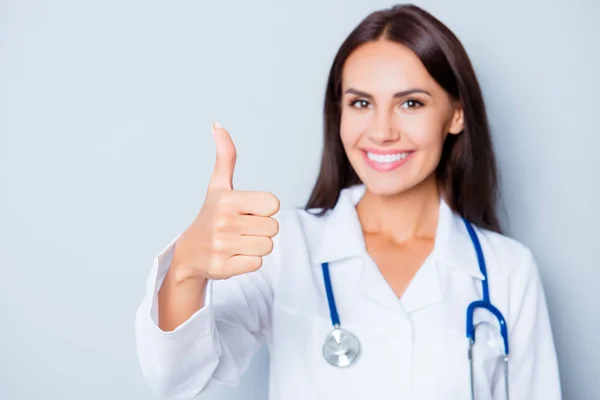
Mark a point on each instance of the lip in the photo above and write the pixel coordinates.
(384, 152)
(387, 166)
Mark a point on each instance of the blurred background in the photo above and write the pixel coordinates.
(106, 150)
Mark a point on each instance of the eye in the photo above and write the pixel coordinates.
(411, 104)
(359, 104)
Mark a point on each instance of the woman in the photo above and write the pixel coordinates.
(384, 244)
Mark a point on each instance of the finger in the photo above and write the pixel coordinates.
(261, 204)
(252, 246)
(251, 225)
(222, 177)
(238, 265)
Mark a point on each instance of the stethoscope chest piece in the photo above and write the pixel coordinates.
(341, 348)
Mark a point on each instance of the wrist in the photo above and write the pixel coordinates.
(183, 274)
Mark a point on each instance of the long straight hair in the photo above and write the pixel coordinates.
(466, 173)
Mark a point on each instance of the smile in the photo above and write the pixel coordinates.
(386, 158)
(388, 161)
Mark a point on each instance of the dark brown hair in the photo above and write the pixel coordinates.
(466, 173)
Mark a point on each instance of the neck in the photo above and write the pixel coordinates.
(404, 216)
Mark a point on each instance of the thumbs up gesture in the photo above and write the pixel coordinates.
(233, 230)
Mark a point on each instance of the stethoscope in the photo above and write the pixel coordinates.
(342, 348)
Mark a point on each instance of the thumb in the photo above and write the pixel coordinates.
(222, 177)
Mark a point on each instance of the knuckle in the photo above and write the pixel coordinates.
(219, 245)
(224, 202)
(222, 222)
(215, 265)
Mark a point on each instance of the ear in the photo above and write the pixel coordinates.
(458, 122)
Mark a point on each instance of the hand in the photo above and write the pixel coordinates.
(233, 230)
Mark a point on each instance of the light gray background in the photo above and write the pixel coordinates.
(106, 150)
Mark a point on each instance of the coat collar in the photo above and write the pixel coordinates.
(343, 237)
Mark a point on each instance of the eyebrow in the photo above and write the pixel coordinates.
(396, 95)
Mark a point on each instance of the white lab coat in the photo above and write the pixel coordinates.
(412, 348)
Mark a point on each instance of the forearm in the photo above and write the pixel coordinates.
(179, 297)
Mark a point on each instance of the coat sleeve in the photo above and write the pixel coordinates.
(217, 343)
(533, 367)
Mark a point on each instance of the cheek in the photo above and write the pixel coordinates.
(425, 132)
(351, 129)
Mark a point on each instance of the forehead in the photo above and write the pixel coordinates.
(382, 66)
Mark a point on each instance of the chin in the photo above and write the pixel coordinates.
(385, 189)
(396, 184)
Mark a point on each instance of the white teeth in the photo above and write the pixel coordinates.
(386, 158)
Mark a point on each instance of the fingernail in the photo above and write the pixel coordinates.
(215, 125)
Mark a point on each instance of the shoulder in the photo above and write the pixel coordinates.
(316, 236)
(299, 224)
(292, 215)
(504, 247)
(511, 261)
(294, 246)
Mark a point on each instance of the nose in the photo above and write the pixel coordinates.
(383, 129)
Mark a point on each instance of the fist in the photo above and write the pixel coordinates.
(233, 230)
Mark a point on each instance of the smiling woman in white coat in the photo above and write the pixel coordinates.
(394, 281)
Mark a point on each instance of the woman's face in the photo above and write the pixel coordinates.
(394, 117)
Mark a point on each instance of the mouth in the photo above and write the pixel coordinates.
(386, 161)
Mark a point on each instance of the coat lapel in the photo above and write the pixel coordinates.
(342, 239)
(454, 250)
